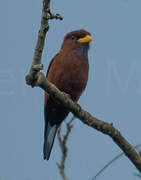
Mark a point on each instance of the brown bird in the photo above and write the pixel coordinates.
(68, 71)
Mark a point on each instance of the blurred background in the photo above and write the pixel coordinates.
(113, 92)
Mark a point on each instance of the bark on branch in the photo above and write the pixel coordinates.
(36, 78)
(36, 63)
(88, 119)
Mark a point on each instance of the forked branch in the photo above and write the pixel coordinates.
(36, 78)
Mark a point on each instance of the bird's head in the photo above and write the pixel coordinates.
(78, 41)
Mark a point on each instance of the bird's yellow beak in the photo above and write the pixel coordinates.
(85, 39)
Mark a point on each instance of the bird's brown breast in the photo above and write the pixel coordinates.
(69, 72)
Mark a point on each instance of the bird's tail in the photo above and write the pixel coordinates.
(49, 135)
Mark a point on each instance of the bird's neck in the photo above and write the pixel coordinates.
(82, 50)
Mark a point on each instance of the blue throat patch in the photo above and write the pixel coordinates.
(82, 50)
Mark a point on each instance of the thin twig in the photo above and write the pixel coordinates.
(36, 63)
(36, 78)
(63, 147)
(111, 162)
(88, 119)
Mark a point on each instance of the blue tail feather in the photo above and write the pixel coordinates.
(50, 132)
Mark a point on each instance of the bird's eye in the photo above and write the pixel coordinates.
(72, 37)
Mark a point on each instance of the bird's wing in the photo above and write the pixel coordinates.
(46, 94)
(54, 114)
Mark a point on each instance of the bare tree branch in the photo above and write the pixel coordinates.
(46, 16)
(88, 119)
(36, 78)
(63, 146)
(138, 174)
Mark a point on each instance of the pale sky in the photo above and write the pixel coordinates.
(113, 92)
